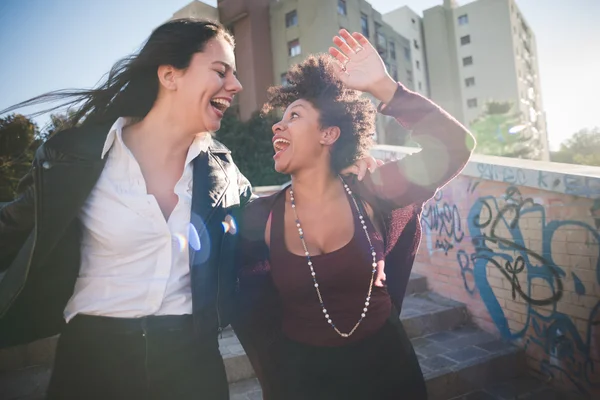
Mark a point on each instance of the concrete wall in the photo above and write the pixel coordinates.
(519, 244)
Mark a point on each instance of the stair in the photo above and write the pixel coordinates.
(456, 358)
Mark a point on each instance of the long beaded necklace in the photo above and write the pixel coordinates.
(314, 275)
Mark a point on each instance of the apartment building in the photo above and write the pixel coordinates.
(272, 35)
(481, 51)
(303, 27)
(409, 24)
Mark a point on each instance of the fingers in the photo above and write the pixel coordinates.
(338, 55)
(361, 39)
(371, 163)
(348, 50)
(340, 71)
(380, 162)
(350, 41)
(380, 279)
(362, 169)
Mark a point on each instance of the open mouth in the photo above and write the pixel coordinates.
(220, 105)
(280, 145)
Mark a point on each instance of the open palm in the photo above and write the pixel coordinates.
(360, 66)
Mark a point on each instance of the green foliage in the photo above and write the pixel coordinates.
(581, 148)
(18, 141)
(491, 130)
(251, 147)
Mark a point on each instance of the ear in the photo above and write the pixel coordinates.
(167, 76)
(330, 135)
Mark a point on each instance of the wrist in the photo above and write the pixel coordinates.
(384, 89)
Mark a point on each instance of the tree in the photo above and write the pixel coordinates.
(251, 147)
(18, 141)
(581, 148)
(500, 131)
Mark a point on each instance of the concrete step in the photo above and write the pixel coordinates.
(464, 360)
(428, 312)
(416, 284)
(525, 387)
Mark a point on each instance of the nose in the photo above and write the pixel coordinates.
(233, 85)
(277, 127)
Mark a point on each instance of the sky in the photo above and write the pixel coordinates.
(54, 44)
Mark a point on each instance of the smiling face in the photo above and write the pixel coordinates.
(299, 140)
(202, 92)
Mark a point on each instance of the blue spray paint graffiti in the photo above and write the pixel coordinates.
(553, 331)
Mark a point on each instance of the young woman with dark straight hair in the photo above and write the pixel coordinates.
(116, 238)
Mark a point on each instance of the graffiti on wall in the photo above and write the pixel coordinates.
(442, 220)
(500, 236)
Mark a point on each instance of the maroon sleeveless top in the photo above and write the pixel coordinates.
(343, 276)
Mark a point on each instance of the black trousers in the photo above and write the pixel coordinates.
(154, 358)
(383, 366)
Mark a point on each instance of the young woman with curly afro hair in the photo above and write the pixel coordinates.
(325, 261)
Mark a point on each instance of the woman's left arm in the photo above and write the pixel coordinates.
(446, 145)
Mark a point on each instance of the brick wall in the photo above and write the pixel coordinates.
(523, 255)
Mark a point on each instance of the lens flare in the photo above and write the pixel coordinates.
(194, 238)
(181, 241)
(229, 225)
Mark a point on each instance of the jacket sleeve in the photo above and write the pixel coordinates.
(17, 221)
(246, 193)
(446, 146)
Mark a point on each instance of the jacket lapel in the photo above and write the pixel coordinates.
(210, 184)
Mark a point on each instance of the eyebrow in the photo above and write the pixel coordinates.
(298, 105)
(227, 66)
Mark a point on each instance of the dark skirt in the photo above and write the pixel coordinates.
(383, 366)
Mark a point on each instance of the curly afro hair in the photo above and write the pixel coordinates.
(315, 81)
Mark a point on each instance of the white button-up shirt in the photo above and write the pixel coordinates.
(134, 262)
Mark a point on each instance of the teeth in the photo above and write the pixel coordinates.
(221, 102)
(279, 142)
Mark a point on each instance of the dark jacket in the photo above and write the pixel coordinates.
(396, 192)
(40, 235)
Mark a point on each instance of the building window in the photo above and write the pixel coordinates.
(418, 64)
(420, 86)
(342, 7)
(381, 40)
(416, 43)
(291, 19)
(294, 48)
(364, 24)
(472, 103)
(409, 75)
(467, 61)
(392, 50)
(463, 19)
(465, 40)
(470, 82)
(407, 53)
(284, 81)
(413, 20)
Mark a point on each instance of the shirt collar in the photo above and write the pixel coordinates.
(200, 144)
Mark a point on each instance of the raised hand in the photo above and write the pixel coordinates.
(360, 67)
